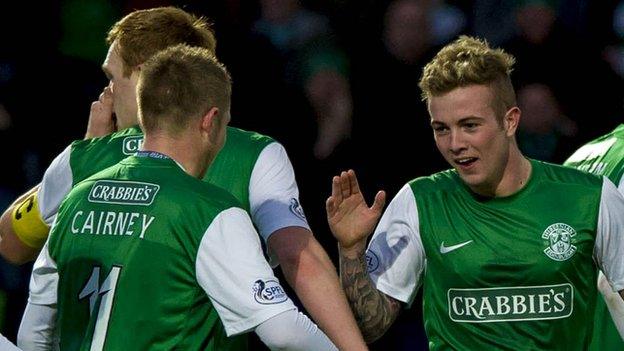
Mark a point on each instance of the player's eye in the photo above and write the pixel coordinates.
(471, 126)
(440, 129)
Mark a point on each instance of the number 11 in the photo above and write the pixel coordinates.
(107, 291)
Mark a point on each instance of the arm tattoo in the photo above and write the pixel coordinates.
(374, 311)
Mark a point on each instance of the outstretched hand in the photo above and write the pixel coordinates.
(101, 119)
(349, 217)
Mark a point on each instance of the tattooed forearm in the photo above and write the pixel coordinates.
(374, 311)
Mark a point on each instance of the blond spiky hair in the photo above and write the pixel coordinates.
(468, 61)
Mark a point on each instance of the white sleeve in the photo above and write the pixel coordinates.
(273, 193)
(609, 246)
(37, 331)
(6, 345)
(293, 330)
(395, 256)
(56, 184)
(621, 186)
(232, 270)
(44, 279)
(614, 303)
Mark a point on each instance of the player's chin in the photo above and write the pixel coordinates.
(472, 179)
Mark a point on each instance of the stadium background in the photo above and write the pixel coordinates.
(334, 80)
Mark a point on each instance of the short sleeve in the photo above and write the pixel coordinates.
(56, 184)
(274, 195)
(273, 192)
(609, 246)
(232, 270)
(395, 256)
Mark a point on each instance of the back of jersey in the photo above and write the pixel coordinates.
(125, 245)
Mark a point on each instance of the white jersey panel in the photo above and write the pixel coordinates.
(609, 246)
(38, 330)
(56, 184)
(621, 186)
(232, 270)
(273, 192)
(6, 345)
(44, 279)
(396, 257)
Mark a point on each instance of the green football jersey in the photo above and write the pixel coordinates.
(508, 273)
(252, 167)
(139, 265)
(603, 156)
(238, 167)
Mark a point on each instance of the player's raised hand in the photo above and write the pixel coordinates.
(101, 120)
(349, 217)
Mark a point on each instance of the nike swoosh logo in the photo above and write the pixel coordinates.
(447, 249)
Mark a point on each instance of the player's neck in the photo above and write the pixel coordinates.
(515, 175)
(122, 124)
(509, 179)
(181, 150)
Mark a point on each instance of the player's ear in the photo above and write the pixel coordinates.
(136, 71)
(210, 124)
(511, 120)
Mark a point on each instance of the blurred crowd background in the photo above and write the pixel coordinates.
(335, 81)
